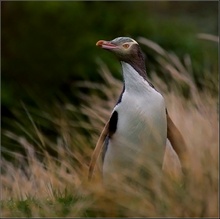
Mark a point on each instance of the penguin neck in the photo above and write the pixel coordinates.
(133, 80)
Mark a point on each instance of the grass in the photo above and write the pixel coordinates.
(42, 185)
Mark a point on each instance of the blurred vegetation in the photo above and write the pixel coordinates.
(48, 47)
(58, 186)
(58, 89)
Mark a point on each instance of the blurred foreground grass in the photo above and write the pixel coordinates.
(42, 185)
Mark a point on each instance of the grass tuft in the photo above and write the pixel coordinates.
(41, 184)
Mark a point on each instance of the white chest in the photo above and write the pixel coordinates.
(141, 119)
(141, 127)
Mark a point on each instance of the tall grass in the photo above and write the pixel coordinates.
(52, 186)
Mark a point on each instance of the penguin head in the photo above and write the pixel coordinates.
(125, 48)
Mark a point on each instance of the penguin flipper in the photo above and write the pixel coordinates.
(178, 143)
(98, 149)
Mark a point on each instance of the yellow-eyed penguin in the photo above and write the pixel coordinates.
(139, 124)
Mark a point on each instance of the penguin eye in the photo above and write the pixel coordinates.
(126, 45)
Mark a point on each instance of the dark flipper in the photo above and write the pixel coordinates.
(178, 143)
(98, 150)
(107, 133)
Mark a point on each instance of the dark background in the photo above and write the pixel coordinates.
(46, 47)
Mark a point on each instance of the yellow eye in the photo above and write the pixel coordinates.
(126, 45)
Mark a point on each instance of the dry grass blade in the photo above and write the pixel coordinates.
(34, 125)
(209, 37)
(54, 181)
(153, 46)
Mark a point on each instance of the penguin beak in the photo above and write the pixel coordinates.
(106, 44)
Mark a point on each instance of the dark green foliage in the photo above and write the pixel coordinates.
(47, 47)
(21, 208)
(60, 206)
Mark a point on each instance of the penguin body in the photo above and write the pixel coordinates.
(137, 126)
(135, 135)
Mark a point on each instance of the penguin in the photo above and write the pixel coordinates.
(139, 125)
